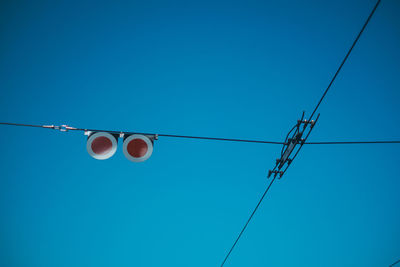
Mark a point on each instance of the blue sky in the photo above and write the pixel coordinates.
(236, 69)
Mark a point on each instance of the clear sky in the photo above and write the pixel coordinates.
(236, 69)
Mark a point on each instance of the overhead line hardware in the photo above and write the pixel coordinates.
(294, 139)
(61, 128)
(346, 57)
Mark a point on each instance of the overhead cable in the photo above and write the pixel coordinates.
(251, 216)
(393, 264)
(68, 128)
(345, 58)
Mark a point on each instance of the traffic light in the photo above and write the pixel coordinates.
(101, 145)
(138, 147)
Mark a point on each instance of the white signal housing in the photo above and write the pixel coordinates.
(101, 145)
(137, 147)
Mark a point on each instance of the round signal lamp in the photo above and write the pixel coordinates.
(137, 147)
(101, 145)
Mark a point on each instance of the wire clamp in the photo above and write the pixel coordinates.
(66, 128)
(62, 128)
(293, 142)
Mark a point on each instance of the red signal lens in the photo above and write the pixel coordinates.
(137, 147)
(101, 145)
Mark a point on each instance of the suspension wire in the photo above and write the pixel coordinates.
(345, 58)
(248, 221)
(221, 139)
(206, 138)
(20, 124)
(67, 128)
(189, 137)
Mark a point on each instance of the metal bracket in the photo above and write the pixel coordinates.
(275, 173)
(293, 142)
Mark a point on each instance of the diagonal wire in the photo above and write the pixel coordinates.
(251, 216)
(393, 264)
(345, 58)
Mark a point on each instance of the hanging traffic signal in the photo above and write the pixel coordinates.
(101, 145)
(138, 147)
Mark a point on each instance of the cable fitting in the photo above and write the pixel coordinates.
(275, 173)
(62, 128)
(293, 142)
